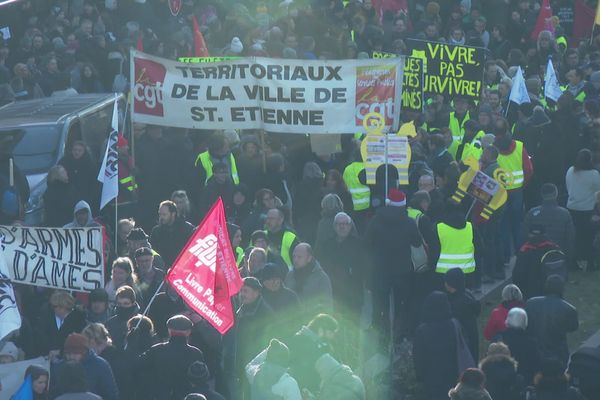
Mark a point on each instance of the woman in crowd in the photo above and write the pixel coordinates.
(583, 181)
(35, 385)
(122, 274)
(511, 297)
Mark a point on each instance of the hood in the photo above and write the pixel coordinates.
(436, 308)
(461, 392)
(391, 214)
(81, 205)
(455, 219)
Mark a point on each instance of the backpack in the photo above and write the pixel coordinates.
(554, 262)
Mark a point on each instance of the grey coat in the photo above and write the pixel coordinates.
(315, 290)
(557, 222)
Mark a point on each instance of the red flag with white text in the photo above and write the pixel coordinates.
(205, 274)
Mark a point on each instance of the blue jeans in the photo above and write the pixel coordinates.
(511, 223)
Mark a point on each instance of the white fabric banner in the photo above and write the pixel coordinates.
(12, 375)
(10, 319)
(277, 95)
(59, 258)
(109, 170)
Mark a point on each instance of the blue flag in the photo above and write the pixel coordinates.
(25, 392)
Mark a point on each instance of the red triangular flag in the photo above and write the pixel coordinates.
(544, 20)
(140, 43)
(200, 49)
(584, 20)
(205, 274)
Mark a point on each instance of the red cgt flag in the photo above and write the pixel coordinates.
(200, 49)
(205, 274)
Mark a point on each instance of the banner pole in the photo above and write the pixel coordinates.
(386, 169)
(147, 308)
(264, 156)
(592, 36)
(129, 98)
(507, 106)
(117, 226)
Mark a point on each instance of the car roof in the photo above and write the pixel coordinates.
(49, 110)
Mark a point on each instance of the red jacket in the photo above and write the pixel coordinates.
(527, 165)
(497, 321)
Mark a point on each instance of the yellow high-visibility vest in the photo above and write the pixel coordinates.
(458, 128)
(207, 164)
(512, 165)
(129, 183)
(361, 194)
(286, 244)
(457, 250)
(414, 213)
(473, 148)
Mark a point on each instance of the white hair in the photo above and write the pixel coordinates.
(517, 318)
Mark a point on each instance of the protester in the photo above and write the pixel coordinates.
(501, 378)
(470, 386)
(530, 271)
(551, 318)
(35, 385)
(164, 366)
(496, 324)
(545, 146)
(552, 383)
(464, 308)
(435, 352)
(125, 309)
(521, 344)
(98, 310)
(57, 323)
(98, 378)
(583, 181)
(171, 233)
(309, 281)
(122, 275)
(198, 377)
(267, 374)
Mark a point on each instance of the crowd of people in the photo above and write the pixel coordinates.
(329, 262)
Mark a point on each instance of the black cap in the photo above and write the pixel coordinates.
(179, 323)
(253, 283)
(98, 295)
(143, 251)
(270, 271)
(137, 234)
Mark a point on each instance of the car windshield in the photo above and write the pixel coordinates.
(37, 149)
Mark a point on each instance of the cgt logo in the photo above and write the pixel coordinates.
(147, 91)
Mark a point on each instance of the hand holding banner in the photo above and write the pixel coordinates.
(205, 274)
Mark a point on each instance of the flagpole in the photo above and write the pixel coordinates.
(137, 325)
(592, 37)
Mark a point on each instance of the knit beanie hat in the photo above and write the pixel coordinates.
(76, 343)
